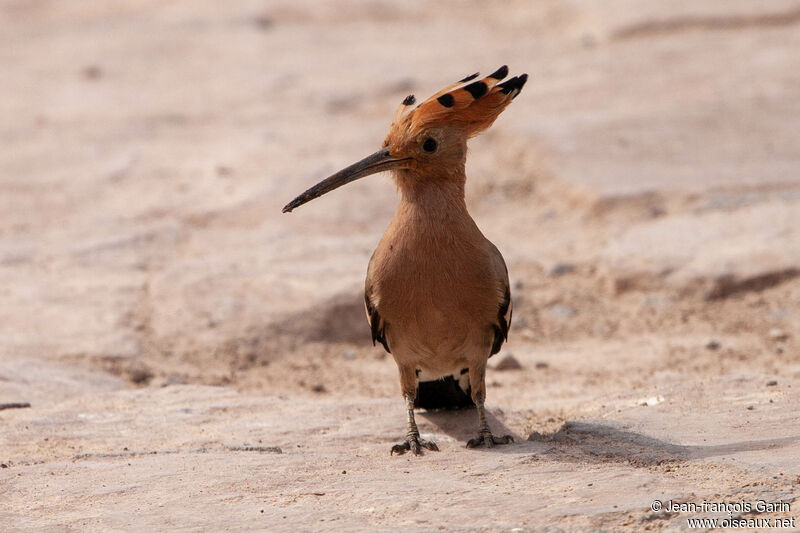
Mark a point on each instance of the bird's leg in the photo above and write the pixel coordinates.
(408, 381)
(477, 381)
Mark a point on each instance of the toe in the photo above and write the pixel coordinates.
(399, 449)
(415, 446)
(489, 440)
(474, 443)
(505, 439)
(430, 445)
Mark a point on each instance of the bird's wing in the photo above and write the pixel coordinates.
(504, 305)
(376, 323)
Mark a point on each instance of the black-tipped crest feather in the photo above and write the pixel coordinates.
(446, 100)
(477, 89)
(513, 84)
(500, 73)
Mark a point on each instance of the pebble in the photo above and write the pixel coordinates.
(509, 362)
(14, 405)
(650, 402)
(713, 344)
(139, 373)
(92, 72)
(559, 269)
(777, 334)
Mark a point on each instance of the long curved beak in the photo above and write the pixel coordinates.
(377, 162)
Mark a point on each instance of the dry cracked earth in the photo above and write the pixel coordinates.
(176, 354)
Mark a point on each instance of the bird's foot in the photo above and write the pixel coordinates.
(485, 438)
(415, 445)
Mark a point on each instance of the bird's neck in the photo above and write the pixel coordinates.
(432, 212)
(432, 195)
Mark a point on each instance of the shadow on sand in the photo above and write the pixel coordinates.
(596, 441)
(608, 442)
(462, 424)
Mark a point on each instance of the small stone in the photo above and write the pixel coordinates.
(777, 334)
(224, 171)
(139, 373)
(751, 407)
(772, 383)
(509, 362)
(713, 344)
(542, 365)
(320, 388)
(263, 22)
(349, 354)
(650, 402)
(92, 72)
(14, 405)
(559, 269)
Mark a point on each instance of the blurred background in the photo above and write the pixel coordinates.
(172, 331)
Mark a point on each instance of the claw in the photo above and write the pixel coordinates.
(413, 445)
(489, 440)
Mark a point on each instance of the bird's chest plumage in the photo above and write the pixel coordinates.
(436, 290)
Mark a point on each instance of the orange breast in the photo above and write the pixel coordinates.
(434, 285)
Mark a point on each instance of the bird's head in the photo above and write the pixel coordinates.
(428, 141)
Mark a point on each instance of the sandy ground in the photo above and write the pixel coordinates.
(195, 360)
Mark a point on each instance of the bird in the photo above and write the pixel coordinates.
(437, 295)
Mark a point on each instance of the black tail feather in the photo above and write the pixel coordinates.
(445, 393)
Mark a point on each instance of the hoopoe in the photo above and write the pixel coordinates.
(436, 295)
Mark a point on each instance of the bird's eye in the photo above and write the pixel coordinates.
(430, 145)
